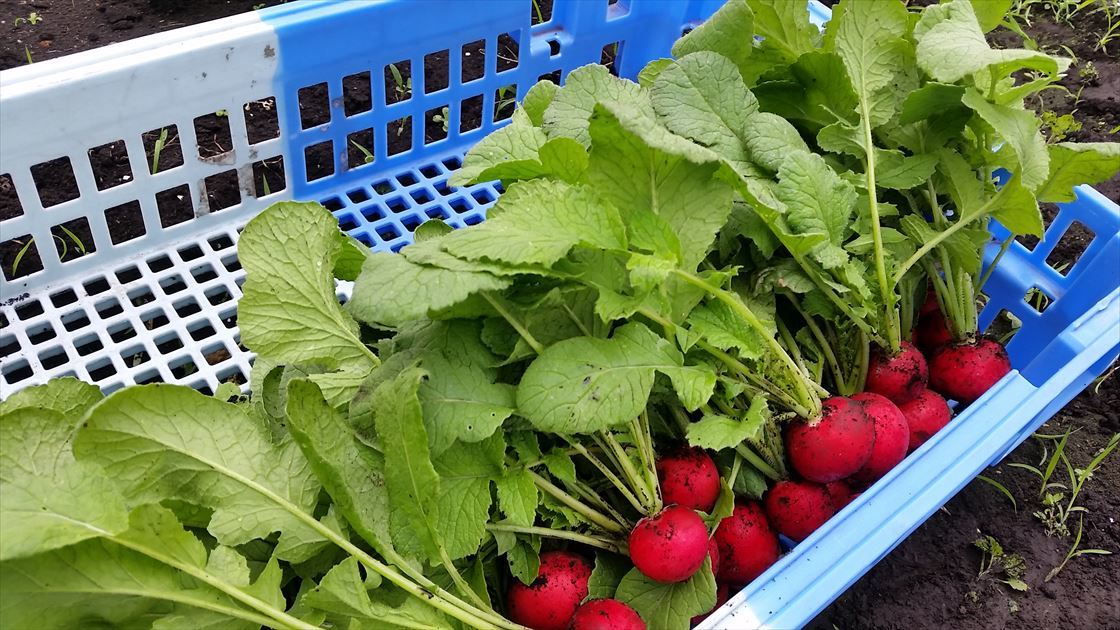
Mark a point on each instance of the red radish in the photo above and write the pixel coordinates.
(689, 478)
(551, 600)
(899, 378)
(836, 446)
(840, 493)
(798, 508)
(932, 332)
(606, 614)
(713, 554)
(892, 437)
(747, 545)
(669, 546)
(925, 415)
(964, 371)
(723, 593)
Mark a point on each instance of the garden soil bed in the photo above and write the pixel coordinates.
(931, 580)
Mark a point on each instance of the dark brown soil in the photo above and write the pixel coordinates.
(930, 580)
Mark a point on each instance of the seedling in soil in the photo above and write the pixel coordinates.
(27, 52)
(1104, 377)
(401, 85)
(1111, 12)
(32, 18)
(997, 564)
(1002, 490)
(441, 118)
(1074, 552)
(1059, 500)
(1089, 72)
(61, 241)
(367, 156)
(505, 99)
(160, 143)
(1058, 128)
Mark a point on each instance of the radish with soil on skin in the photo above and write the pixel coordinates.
(964, 371)
(688, 478)
(747, 544)
(723, 593)
(551, 600)
(836, 446)
(900, 377)
(925, 415)
(606, 614)
(840, 493)
(669, 546)
(797, 508)
(892, 438)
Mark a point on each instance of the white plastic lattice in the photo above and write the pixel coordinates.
(82, 196)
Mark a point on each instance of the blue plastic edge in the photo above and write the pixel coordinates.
(398, 192)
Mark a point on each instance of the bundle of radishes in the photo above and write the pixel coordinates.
(679, 334)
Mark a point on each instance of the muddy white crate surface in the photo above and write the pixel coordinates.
(131, 169)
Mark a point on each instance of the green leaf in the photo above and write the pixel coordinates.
(718, 432)
(351, 472)
(525, 560)
(1017, 209)
(703, 98)
(51, 500)
(584, 385)
(289, 312)
(505, 152)
(517, 495)
(67, 396)
(817, 202)
(964, 248)
(465, 472)
(901, 172)
(1020, 130)
(769, 139)
(345, 598)
(929, 100)
(608, 573)
(724, 507)
(1072, 164)
(393, 290)
(669, 606)
(784, 28)
(162, 442)
(819, 92)
(990, 12)
(102, 581)
(570, 112)
(649, 73)
(867, 35)
(727, 32)
(537, 100)
(951, 46)
(410, 477)
(843, 138)
(461, 401)
(640, 166)
(716, 322)
(539, 222)
(960, 180)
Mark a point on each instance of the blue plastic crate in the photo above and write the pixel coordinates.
(114, 317)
